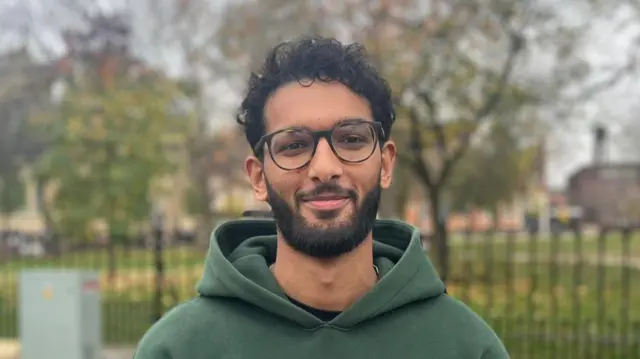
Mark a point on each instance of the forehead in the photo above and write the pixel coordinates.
(318, 106)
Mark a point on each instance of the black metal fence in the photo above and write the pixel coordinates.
(565, 295)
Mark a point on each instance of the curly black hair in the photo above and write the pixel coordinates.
(314, 58)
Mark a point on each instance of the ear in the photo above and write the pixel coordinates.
(388, 164)
(255, 172)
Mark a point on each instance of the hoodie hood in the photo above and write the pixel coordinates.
(240, 252)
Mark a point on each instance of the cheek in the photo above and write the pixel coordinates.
(283, 183)
(365, 178)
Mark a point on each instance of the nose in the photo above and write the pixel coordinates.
(325, 165)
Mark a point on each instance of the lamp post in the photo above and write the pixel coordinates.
(157, 230)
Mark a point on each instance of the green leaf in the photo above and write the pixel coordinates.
(12, 192)
(108, 149)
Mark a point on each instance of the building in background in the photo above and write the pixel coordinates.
(608, 194)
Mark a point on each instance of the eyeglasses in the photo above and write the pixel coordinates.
(352, 141)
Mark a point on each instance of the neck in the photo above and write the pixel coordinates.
(327, 284)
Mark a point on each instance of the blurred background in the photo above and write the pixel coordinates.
(517, 125)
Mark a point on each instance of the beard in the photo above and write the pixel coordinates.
(331, 240)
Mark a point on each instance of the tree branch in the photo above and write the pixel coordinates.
(516, 44)
(434, 121)
(607, 83)
(417, 149)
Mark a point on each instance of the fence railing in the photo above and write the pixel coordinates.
(566, 295)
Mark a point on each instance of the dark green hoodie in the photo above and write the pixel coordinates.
(242, 313)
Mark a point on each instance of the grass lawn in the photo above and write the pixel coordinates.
(613, 244)
(98, 259)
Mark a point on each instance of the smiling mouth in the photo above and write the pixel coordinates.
(326, 203)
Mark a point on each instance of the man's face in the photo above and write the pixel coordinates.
(326, 208)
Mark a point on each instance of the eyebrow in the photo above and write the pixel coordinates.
(343, 121)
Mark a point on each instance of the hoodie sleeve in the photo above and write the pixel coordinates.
(495, 351)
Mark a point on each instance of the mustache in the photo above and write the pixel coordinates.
(327, 188)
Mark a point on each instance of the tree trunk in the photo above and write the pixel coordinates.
(57, 247)
(158, 307)
(204, 214)
(402, 201)
(5, 255)
(440, 235)
(495, 213)
(111, 260)
(392, 203)
(203, 231)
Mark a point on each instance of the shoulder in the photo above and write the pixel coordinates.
(460, 312)
(460, 319)
(175, 329)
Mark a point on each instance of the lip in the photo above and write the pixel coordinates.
(329, 203)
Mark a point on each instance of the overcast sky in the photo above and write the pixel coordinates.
(606, 45)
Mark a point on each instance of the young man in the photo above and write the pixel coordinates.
(325, 279)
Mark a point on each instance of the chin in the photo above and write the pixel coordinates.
(336, 222)
(335, 218)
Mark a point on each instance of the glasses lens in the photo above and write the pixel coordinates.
(292, 148)
(354, 142)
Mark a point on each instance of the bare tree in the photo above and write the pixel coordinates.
(189, 28)
(448, 93)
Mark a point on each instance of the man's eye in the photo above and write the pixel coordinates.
(293, 146)
(353, 139)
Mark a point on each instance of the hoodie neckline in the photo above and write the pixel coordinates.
(240, 252)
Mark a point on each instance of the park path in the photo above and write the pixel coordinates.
(571, 259)
(118, 353)
(10, 349)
